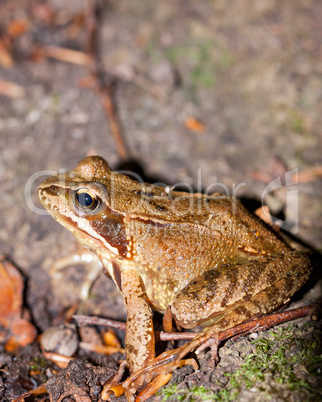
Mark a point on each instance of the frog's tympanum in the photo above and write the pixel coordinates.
(205, 260)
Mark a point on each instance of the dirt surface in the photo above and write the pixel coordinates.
(218, 95)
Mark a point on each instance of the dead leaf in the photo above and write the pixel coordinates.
(6, 60)
(11, 89)
(308, 175)
(77, 24)
(43, 12)
(63, 54)
(17, 27)
(37, 391)
(274, 168)
(60, 360)
(153, 387)
(110, 338)
(11, 287)
(195, 125)
(86, 82)
(264, 214)
(21, 331)
(108, 350)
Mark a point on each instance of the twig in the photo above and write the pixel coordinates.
(105, 91)
(307, 175)
(63, 54)
(11, 89)
(261, 323)
(257, 324)
(83, 320)
(106, 96)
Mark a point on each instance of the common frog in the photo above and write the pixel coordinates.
(205, 260)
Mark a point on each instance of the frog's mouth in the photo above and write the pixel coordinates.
(86, 235)
(82, 231)
(51, 196)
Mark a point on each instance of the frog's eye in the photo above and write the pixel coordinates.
(86, 200)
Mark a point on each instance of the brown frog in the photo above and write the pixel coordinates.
(204, 260)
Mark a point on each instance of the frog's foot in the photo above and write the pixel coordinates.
(158, 372)
(148, 379)
(114, 386)
(213, 344)
(155, 375)
(152, 388)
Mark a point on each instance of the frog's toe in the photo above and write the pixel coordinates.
(153, 387)
(213, 344)
(109, 390)
(163, 364)
(114, 387)
(150, 378)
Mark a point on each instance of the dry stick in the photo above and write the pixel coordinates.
(308, 175)
(255, 325)
(63, 54)
(11, 89)
(105, 92)
(261, 323)
(106, 96)
(83, 320)
(240, 330)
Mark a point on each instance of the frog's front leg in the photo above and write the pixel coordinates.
(139, 338)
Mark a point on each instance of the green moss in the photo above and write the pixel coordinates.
(276, 355)
(199, 58)
(55, 98)
(275, 358)
(174, 393)
(201, 63)
(296, 122)
(39, 362)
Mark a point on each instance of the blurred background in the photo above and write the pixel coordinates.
(199, 93)
(190, 92)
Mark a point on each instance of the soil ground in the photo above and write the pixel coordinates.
(217, 95)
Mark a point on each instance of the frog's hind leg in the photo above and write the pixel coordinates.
(263, 302)
(210, 297)
(268, 299)
(273, 293)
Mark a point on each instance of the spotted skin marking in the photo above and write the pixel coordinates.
(232, 277)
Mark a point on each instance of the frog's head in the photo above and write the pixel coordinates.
(81, 200)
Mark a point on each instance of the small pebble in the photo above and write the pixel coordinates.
(61, 339)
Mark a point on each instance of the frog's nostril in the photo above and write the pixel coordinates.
(53, 190)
